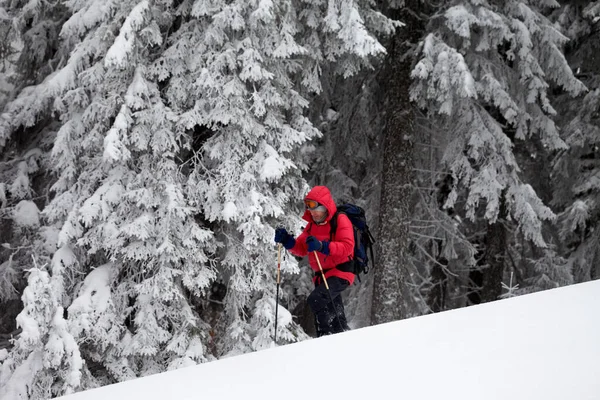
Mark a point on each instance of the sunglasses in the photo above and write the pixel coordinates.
(311, 204)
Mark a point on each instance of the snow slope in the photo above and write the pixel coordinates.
(540, 346)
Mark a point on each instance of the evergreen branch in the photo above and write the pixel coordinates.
(421, 235)
(428, 255)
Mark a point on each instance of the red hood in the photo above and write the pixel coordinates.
(323, 196)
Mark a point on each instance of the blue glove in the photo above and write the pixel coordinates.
(282, 236)
(315, 244)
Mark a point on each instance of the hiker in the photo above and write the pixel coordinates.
(335, 253)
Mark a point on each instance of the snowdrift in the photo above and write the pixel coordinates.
(540, 346)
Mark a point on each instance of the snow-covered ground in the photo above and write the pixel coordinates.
(541, 346)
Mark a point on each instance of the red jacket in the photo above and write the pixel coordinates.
(341, 247)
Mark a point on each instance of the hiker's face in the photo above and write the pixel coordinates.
(318, 216)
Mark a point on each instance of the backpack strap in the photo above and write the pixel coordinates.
(333, 225)
(348, 266)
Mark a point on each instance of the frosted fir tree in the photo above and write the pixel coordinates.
(486, 69)
(575, 171)
(174, 118)
(251, 66)
(23, 231)
(131, 206)
(45, 361)
(119, 193)
(29, 30)
(490, 66)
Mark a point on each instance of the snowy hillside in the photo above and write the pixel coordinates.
(541, 346)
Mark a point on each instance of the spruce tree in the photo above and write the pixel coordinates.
(488, 66)
(178, 136)
(30, 36)
(575, 170)
(46, 360)
(251, 168)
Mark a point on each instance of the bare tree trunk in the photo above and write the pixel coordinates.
(486, 280)
(390, 290)
(436, 298)
(495, 254)
(390, 274)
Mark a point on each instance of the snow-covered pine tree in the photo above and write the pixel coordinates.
(45, 361)
(488, 65)
(575, 172)
(129, 204)
(23, 234)
(29, 31)
(119, 192)
(175, 118)
(252, 72)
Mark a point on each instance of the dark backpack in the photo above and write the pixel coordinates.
(363, 240)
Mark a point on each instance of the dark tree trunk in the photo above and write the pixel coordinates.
(390, 291)
(486, 278)
(437, 294)
(436, 297)
(495, 254)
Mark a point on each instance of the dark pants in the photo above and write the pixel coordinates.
(329, 317)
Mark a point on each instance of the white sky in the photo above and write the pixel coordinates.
(542, 346)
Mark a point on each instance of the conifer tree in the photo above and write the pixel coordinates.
(45, 361)
(575, 170)
(29, 30)
(175, 148)
(489, 66)
(250, 166)
(119, 194)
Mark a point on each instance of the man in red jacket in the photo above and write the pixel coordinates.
(335, 253)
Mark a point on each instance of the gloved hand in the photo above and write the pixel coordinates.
(282, 236)
(315, 244)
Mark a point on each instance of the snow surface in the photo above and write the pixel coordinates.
(540, 346)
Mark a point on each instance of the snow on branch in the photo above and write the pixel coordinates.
(120, 52)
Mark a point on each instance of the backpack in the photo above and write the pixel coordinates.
(363, 240)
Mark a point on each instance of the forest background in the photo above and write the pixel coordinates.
(148, 149)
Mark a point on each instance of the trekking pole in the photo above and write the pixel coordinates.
(277, 296)
(329, 291)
